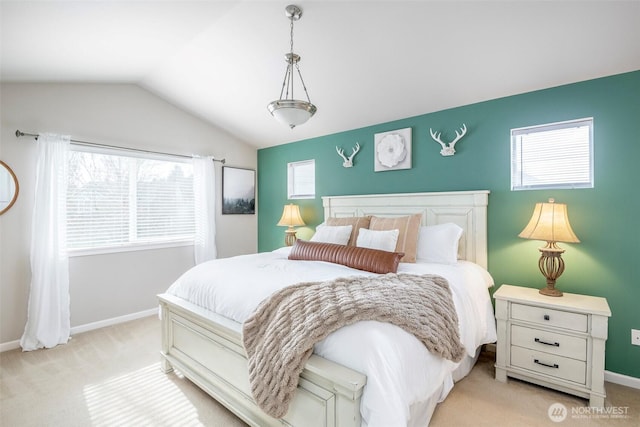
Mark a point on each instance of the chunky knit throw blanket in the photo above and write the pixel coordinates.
(279, 336)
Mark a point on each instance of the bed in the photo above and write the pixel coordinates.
(334, 388)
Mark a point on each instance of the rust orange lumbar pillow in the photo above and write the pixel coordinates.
(373, 260)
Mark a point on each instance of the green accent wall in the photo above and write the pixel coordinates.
(605, 218)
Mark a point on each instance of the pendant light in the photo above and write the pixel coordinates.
(287, 109)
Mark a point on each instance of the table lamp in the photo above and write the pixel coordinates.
(290, 218)
(550, 223)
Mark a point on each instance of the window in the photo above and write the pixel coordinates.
(116, 199)
(556, 155)
(301, 180)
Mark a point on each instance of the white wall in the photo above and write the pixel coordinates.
(111, 285)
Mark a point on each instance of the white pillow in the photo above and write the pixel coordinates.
(338, 234)
(384, 240)
(439, 243)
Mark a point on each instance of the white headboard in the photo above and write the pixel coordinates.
(468, 209)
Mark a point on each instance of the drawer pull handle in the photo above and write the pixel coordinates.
(555, 365)
(554, 344)
(546, 317)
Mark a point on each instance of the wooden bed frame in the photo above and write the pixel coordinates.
(207, 348)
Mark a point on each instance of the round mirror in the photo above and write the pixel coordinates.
(9, 187)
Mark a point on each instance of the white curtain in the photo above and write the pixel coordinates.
(48, 317)
(204, 189)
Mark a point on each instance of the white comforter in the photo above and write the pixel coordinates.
(400, 370)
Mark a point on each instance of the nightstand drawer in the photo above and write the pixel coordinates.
(544, 363)
(550, 317)
(549, 342)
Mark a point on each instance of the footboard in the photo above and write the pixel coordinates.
(208, 350)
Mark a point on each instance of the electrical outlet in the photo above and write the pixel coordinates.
(635, 337)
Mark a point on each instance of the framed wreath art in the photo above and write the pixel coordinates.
(392, 150)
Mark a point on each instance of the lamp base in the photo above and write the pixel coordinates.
(550, 292)
(290, 237)
(551, 266)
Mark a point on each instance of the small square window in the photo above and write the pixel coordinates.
(556, 155)
(301, 180)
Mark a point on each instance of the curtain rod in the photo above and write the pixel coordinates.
(94, 144)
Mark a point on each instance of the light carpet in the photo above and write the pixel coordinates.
(111, 377)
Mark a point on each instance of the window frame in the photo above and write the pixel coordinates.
(130, 245)
(292, 191)
(516, 162)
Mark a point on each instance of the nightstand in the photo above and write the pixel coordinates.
(555, 342)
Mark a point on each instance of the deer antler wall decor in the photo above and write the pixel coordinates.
(448, 150)
(348, 162)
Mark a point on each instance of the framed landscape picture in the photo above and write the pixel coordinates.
(238, 190)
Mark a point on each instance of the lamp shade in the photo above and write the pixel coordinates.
(291, 111)
(550, 222)
(291, 216)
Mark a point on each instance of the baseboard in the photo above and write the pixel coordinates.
(625, 380)
(12, 345)
(114, 321)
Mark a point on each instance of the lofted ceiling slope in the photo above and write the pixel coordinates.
(364, 62)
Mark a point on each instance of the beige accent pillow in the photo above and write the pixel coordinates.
(409, 227)
(357, 222)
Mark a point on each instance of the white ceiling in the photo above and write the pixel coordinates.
(364, 62)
